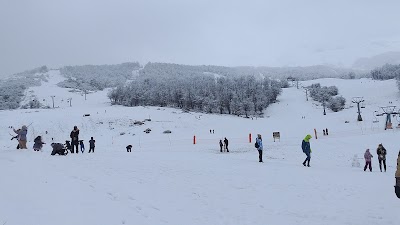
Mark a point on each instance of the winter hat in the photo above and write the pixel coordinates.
(24, 127)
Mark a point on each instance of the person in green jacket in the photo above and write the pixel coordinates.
(305, 145)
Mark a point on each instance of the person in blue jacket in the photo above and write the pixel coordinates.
(305, 145)
(260, 147)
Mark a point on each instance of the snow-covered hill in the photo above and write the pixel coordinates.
(169, 180)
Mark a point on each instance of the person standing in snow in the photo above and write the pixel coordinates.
(74, 139)
(397, 176)
(220, 145)
(367, 157)
(91, 145)
(82, 145)
(226, 144)
(305, 145)
(381, 151)
(260, 147)
(37, 146)
(21, 133)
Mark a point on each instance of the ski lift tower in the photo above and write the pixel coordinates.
(388, 111)
(358, 100)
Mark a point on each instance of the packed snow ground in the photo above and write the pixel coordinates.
(169, 180)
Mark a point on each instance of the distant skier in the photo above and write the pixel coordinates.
(220, 145)
(226, 144)
(21, 133)
(129, 148)
(381, 151)
(37, 146)
(91, 145)
(367, 157)
(305, 145)
(74, 139)
(259, 146)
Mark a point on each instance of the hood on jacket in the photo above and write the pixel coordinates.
(307, 138)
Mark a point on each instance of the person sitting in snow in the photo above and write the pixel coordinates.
(305, 145)
(367, 157)
(59, 149)
(38, 144)
(381, 151)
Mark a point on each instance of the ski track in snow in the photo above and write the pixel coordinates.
(168, 180)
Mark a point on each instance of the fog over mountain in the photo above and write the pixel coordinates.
(370, 63)
(267, 33)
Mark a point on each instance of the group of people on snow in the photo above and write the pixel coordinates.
(58, 148)
(381, 152)
(224, 145)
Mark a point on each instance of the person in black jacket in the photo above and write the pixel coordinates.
(91, 144)
(74, 139)
(381, 151)
(226, 144)
(220, 145)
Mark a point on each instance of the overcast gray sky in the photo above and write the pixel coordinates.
(219, 32)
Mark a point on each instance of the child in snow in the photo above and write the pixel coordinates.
(68, 145)
(129, 148)
(82, 145)
(37, 146)
(91, 145)
(367, 157)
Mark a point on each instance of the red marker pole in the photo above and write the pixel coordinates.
(194, 139)
(250, 138)
(315, 132)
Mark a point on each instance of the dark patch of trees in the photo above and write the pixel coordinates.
(325, 95)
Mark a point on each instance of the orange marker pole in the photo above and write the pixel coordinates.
(315, 132)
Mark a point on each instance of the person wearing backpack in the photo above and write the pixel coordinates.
(259, 147)
(305, 145)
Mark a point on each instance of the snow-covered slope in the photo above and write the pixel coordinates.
(169, 180)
